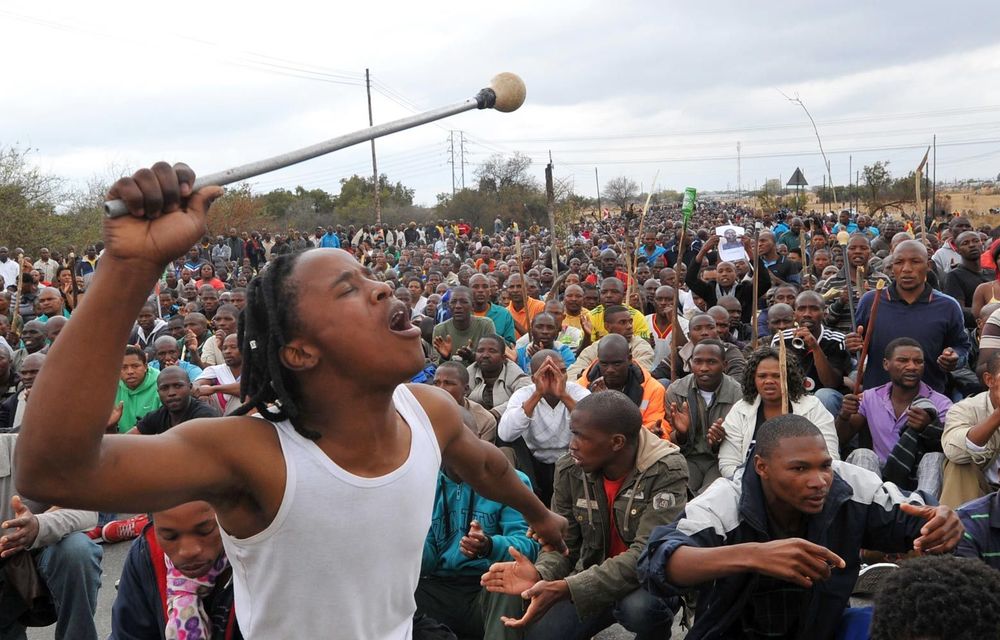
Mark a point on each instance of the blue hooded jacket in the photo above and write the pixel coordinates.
(456, 505)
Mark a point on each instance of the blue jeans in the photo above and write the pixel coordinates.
(640, 612)
(71, 570)
(831, 399)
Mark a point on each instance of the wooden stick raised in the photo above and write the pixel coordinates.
(756, 276)
(783, 373)
(869, 330)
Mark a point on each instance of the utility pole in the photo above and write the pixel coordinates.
(850, 170)
(375, 184)
(550, 203)
(739, 180)
(451, 159)
(857, 185)
(462, 150)
(598, 181)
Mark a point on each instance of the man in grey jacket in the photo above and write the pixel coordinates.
(618, 482)
(696, 406)
(66, 560)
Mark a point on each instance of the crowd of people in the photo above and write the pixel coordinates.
(628, 428)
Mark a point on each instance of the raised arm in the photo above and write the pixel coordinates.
(484, 467)
(63, 456)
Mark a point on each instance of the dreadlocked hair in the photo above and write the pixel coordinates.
(264, 325)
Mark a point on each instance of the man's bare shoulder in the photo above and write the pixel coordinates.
(438, 404)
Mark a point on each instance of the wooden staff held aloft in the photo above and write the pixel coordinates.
(17, 321)
(756, 278)
(869, 330)
(783, 374)
(524, 282)
(674, 322)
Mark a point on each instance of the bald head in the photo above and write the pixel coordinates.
(909, 246)
(613, 347)
(539, 358)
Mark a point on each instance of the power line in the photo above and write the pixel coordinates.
(785, 154)
(767, 127)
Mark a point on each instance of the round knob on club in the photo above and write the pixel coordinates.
(510, 91)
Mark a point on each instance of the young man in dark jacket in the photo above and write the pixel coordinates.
(612, 461)
(777, 554)
(176, 574)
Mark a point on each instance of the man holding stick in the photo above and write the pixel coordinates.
(910, 307)
(333, 431)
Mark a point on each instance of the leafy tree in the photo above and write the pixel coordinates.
(621, 191)
(38, 210)
(500, 173)
(238, 208)
(877, 180)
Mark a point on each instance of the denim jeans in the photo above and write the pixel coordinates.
(930, 474)
(640, 612)
(831, 399)
(71, 570)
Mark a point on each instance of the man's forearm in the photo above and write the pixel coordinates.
(497, 481)
(690, 566)
(56, 524)
(54, 439)
(529, 405)
(568, 401)
(829, 376)
(980, 434)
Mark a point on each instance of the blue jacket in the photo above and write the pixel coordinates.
(524, 360)
(503, 321)
(455, 507)
(861, 512)
(139, 611)
(330, 241)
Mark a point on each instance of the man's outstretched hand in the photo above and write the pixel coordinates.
(166, 218)
(796, 560)
(520, 578)
(22, 529)
(511, 577)
(942, 532)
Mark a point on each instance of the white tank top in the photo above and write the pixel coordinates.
(341, 558)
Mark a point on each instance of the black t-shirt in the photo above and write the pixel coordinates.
(158, 420)
(832, 344)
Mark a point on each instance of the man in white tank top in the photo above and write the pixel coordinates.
(324, 506)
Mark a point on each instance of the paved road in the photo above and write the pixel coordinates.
(114, 559)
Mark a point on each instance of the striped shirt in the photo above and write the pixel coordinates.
(981, 518)
(831, 343)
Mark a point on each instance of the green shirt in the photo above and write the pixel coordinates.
(478, 327)
(137, 402)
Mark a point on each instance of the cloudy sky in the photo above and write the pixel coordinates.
(631, 88)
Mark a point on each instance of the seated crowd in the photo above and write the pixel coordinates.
(750, 472)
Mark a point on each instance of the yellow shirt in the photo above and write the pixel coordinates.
(639, 326)
(574, 321)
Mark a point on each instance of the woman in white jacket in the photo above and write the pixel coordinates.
(762, 401)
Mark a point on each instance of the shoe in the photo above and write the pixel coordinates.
(122, 530)
(95, 534)
(870, 578)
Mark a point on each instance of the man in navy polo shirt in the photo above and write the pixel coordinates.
(910, 307)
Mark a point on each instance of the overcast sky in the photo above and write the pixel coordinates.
(629, 88)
